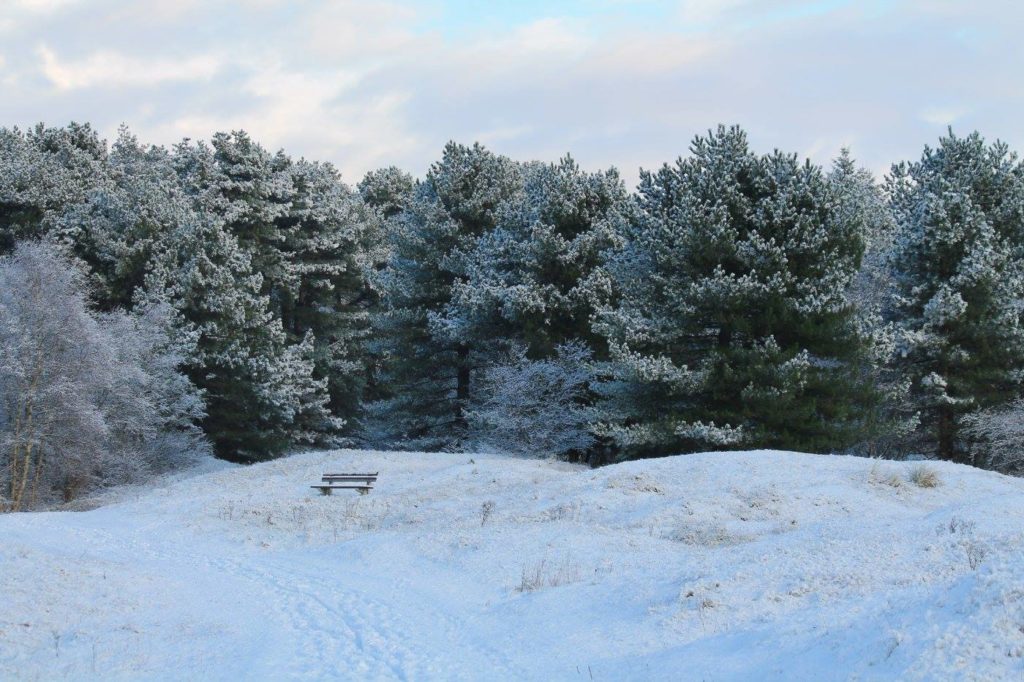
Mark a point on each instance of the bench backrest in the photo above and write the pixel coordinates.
(368, 478)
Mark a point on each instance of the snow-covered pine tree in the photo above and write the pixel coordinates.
(530, 286)
(262, 395)
(251, 192)
(732, 326)
(202, 272)
(43, 172)
(863, 201)
(531, 281)
(389, 191)
(330, 241)
(116, 226)
(960, 283)
(426, 376)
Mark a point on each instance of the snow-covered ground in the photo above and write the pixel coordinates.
(759, 565)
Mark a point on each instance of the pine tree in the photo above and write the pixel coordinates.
(426, 373)
(330, 242)
(205, 275)
(117, 225)
(959, 276)
(863, 201)
(250, 191)
(262, 394)
(533, 280)
(732, 326)
(530, 287)
(389, 191)
(43, 172)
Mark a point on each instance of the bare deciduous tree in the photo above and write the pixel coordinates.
(998, 434)
(84, 399)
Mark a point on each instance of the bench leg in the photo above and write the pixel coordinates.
(363, 491)
(325, 491)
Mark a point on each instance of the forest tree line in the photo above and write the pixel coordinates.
(155, 300)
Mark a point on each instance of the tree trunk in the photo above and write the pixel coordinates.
(462, 385)
(946, 434)
(724, 337)
(26, 467)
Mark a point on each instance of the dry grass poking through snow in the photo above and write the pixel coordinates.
(923, 476)
(546, 573)
(896, 475)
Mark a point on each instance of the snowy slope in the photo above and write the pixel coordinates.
(759, 565)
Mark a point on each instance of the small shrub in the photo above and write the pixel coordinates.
(877, 477)
(565, 511)
(546, 574)
(962, 530)
(486, 509)
(707, 535)
(958, 526)
(893, 480)
(924, 476)
(975, 553)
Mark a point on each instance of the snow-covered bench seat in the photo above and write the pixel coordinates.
(361, 482)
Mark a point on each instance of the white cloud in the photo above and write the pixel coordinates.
(41, 5)
(493, 135)
(308, 115)
(942, 116)
(702, 14)
(14, 14)
(346, 29)
(549, 35)
(158, 10)
(109, 69)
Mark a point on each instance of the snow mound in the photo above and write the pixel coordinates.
(746, 565)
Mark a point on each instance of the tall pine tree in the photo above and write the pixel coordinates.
(960, 282)
(732, 326)
(427, 373)
(262, 392)
(330, 242)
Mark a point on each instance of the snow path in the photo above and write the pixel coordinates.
(762, 565)
(316, 620)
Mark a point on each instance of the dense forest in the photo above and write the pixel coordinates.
(160, 302)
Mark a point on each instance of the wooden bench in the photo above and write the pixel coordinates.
(361, 482)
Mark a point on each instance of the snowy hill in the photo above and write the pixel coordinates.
(758, 565)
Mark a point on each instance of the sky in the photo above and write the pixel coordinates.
(624, 83)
